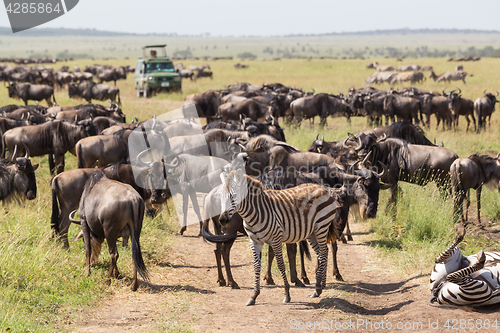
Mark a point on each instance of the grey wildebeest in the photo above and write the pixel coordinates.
(67, 189)
(460, 106)
(103, 149)
(107, 207)
(473, 172)
(53, 138)
(321, 105)
(206, 104)
(17, 178)
(90, 90)
(484, 107)
(31, 92)
(404, 108)
(410, 163)
(449, 76)
(246, 108)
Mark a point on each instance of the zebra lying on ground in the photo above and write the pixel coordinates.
(471, 281)
(279, 216)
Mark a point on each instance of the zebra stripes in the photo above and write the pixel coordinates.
(280, 216)
(470, 281)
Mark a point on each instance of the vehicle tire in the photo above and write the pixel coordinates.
(146, 92)
(138, 91)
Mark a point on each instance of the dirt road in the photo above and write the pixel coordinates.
(184, 297)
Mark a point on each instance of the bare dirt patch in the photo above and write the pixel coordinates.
(184, 296)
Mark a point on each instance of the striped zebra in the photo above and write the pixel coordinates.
(470, 281)
(279, 216)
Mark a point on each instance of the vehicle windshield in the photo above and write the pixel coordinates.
(154, 67)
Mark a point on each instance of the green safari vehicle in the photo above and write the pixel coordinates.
(154, 74)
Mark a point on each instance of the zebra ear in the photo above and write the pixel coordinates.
(223, 176)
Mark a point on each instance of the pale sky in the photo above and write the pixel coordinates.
(275, 17)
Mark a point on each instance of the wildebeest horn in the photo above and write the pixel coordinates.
(22, 116)
(317, 136)
(382, 139)
(323, 139)
(72, 217)
(484, 92)
(273, 121)
(459, 90)
(14, 154)
(76, 119)
(444, 90)
(141, 155)
(498, 155)
(358, 148)
(353, 167)
(175, 164)
(384, 170)
(496, 94)
(366, 157)
(27, 154)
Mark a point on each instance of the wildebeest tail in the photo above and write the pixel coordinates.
(207, 235)
(79, 156)
(304, 249)
(54, 98)
(138, 215)
(54, 220)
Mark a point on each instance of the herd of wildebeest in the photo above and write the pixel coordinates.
(243, 122)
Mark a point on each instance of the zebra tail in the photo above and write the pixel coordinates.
(207, 235)
(304, 249)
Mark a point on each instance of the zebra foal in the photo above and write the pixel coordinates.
(280, 216)
(465, 281)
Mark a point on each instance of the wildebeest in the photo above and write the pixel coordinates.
(90, 90)
(67, 189)
(17, 178)
(247, 108)
(473, 172)
(404, 108)
(102, 149)
(107, 208)
(460, 106)
(206, 103)
(321, 105)
(53, 138)
(438, 105)
(410, 163)
(31, 92)
(112, 74)
(449, 76)
(484, 107)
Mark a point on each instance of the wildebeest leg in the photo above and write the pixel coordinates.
(348, 233)
(59, 163)
(185, 199)
(113, 258)
(336, 272)
(218, 250)
(257, 256)
(277, 248)
(291, 250)
(226, 250)
(303, 274)
(52, 165)
(87, 243)
(196, 207)
(125, 235)
(438, 121)
(478, 198)
(474, 120)
(467, 205)
(268, 276)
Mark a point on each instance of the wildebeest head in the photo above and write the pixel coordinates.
(12, 88)
(87, 126)
(491, 97)
(24, 181)
(366, 188)
(73, 90)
